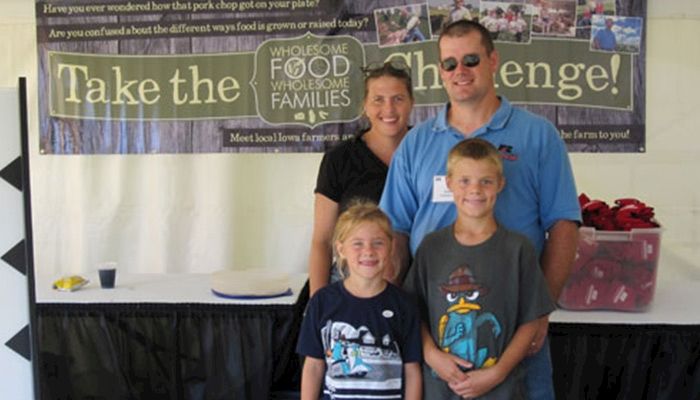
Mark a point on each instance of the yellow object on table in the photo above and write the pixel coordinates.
(70, 283)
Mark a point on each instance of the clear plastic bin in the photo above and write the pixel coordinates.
(613, 270)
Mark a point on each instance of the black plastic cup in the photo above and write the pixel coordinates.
(107, 277)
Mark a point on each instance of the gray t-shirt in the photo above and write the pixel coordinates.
(473, 298)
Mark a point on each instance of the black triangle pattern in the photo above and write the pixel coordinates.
(15, 257)
(12, 173)
(20, 343)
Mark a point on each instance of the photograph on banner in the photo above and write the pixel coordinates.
(252, 76)
(599, 7)
(506, 21)
(553, 17)
(586, 9)
(444, 12)
(403, 24)
(616, 34)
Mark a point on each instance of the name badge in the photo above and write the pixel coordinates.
(441, 194)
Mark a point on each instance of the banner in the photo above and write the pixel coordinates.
(198, 76)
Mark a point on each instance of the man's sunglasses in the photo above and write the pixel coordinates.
(469, 61)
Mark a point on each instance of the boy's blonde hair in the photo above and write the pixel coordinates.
(474, 149)
(358, 212)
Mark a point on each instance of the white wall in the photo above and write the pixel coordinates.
(268, 222)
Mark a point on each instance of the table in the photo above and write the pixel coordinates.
(165, 336)
(618, 355)
(190, 344)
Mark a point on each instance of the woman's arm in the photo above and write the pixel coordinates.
(312, 378)
(414, 381)
(396, 273)
(321, 254)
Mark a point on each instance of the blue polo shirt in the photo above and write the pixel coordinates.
(606, 39)
(539, 190)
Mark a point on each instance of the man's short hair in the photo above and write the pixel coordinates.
(463, 27)
(474, 149)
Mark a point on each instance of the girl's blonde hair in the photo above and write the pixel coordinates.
(358, 212)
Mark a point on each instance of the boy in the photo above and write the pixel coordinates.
(479, 288)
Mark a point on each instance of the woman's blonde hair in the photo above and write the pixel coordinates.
(358, 212)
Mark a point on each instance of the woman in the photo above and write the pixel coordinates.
(357, 168)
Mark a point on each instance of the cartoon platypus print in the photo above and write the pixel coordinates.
(458, 328)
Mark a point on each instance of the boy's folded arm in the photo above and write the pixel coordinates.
(482, 381)
(446, 365)
(517, 348)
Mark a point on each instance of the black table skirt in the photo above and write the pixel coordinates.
(194, 351)
(635, 362)
(167, 351)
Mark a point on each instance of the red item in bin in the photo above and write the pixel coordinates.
(651, 245)
(585, 294)
(601, 268)
(643, 281)
(596, 293)
(622, 297)
(622, 251)
(586, 250)
(614, 271)
(627, 214)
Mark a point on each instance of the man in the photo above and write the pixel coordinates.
(539, 199)
(599, 7)
(414, 33)
(605, 38)
(517, 26)
(459, 11)
(490, 21)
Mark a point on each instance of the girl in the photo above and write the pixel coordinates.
(361, 335)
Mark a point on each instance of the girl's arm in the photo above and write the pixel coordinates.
(414, 381)
(321, 254)
(483, 380)
(312, 378)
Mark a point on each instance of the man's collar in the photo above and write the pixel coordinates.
(441, 119)
(497, 121)
(500, 118)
